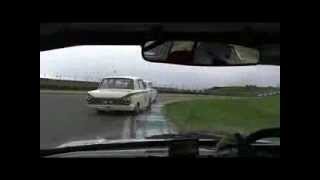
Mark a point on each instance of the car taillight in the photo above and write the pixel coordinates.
(89, 97)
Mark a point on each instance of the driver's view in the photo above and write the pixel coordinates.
(159, 90)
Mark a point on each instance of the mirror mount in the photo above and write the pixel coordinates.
(155, 34)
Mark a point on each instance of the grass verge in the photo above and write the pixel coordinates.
(225, 116)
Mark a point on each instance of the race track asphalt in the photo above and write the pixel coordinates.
(64, 117)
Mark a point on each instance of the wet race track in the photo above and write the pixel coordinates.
(65, 117)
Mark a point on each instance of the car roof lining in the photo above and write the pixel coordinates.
(73, 34)
(61, 35)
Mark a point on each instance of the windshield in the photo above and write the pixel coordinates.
(116, 83)
(188, 99)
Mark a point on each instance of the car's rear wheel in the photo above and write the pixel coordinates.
(137, 109)
(100, 111)
(155, 99)
(149, 104)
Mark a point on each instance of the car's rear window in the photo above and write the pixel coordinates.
(116, 83)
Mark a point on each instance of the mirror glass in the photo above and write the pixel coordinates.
(199, 53)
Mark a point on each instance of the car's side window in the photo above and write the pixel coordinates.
(136, 84)
(144, 85)
(141, 84)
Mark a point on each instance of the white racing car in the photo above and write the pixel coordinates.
(153, 92)
(121, 93)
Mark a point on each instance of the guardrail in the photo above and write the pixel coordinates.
(268, 94)
(53, 84)
(67, 84)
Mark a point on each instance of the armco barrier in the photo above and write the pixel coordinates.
(268, 94)
(67, 84)
(84, 85)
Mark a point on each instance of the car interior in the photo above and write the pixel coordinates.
(264, 37)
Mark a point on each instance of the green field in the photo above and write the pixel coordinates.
(224, 116)
(241, 91)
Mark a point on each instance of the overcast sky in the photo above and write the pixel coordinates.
(96, 62)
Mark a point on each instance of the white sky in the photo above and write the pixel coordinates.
(96, 62)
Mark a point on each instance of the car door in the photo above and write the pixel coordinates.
(153, 92)
(144, 95)
(148, 88)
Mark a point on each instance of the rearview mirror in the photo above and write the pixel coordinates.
(199, 53)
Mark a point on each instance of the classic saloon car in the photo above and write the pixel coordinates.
(122, 93)
(153, 92)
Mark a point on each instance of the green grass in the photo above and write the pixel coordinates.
(241, 91)
(225, 116)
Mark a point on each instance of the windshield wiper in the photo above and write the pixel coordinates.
(192, 135)
(247, 146)
(242, 143)
(155, 143)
